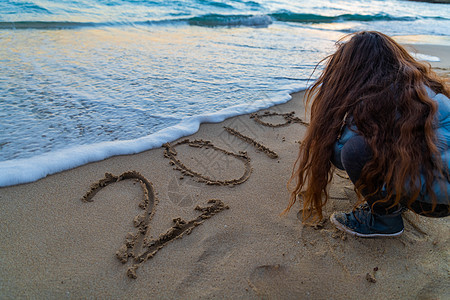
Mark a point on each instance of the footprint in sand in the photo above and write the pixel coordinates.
(269, 280)
(439, 288)
(413, 229)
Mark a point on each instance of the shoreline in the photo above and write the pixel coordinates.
(55, 245)
(28, 170)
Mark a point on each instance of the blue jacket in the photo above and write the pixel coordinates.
(442, 134)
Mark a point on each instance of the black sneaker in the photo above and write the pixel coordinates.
(361, 222)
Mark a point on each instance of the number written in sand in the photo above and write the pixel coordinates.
(270, 153)
(288, 117)
(137, 246)
(171, 154)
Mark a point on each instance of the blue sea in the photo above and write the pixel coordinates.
(84, 80)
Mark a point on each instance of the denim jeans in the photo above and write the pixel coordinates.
(354, 155)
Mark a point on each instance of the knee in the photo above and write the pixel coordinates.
(356, 150)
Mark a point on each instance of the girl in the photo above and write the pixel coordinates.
(384, 118)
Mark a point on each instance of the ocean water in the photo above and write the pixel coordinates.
(84, 80)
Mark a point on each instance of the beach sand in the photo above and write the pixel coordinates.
(54, 245)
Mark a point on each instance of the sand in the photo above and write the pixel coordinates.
(199, 219)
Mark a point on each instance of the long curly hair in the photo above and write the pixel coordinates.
(376, 81)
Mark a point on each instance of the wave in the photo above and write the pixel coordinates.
(214, 20)
(211, 20)
(218, 20)
(314, 18)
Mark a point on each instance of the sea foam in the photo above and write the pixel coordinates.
(425, 57)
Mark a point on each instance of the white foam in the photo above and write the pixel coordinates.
(425, 57)
(19, 171)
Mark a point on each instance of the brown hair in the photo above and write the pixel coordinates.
(376, 81)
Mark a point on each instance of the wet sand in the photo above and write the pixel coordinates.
(199, 218)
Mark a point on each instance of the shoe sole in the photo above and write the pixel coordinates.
(341, 227)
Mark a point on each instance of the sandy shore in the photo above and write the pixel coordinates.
(54, 245)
